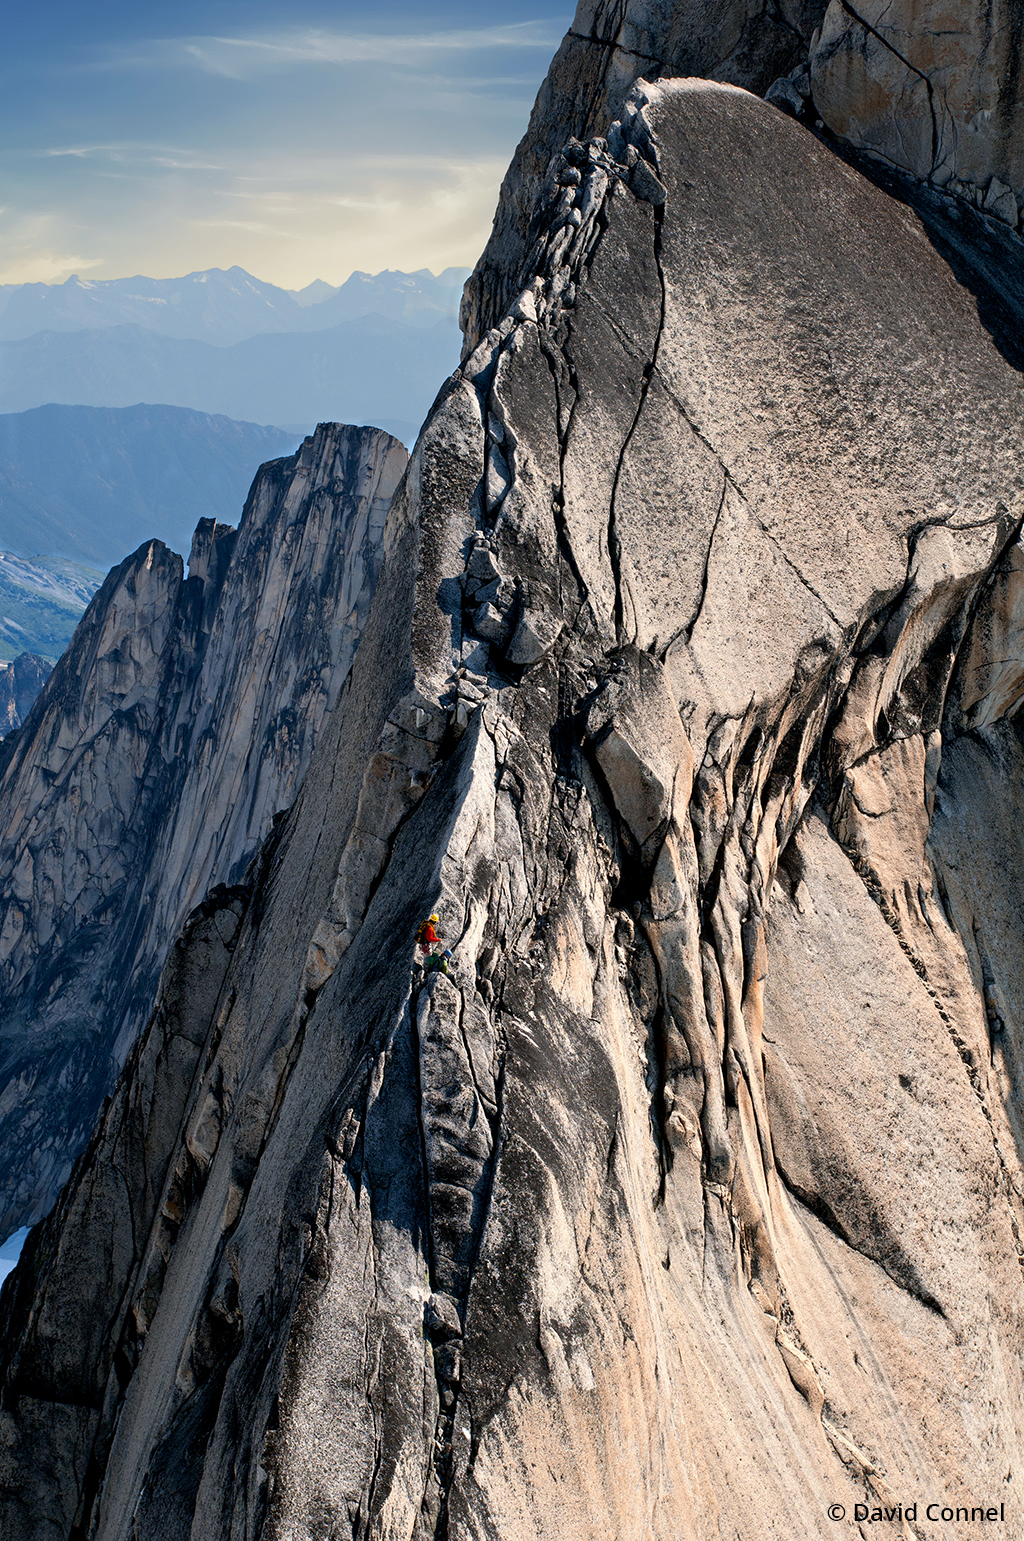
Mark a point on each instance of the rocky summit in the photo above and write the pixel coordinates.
(688, 1203)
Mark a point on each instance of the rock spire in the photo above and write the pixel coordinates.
(179, 722)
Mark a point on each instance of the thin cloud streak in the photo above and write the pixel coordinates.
(155, 155)
(30, 250)
(240, 58)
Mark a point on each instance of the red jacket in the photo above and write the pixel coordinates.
(428, 936)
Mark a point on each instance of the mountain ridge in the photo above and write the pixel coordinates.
(223, 306)
(345, 373)
(88, 483)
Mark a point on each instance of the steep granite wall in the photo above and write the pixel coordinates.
(179, 722)
(933, 88)
(928, 87)
(688, 696)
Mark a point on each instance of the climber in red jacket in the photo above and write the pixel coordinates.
(427, 937)
(430, 940)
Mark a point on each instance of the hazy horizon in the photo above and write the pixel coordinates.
(91, 279)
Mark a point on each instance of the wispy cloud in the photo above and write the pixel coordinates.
(122, 154)
(342, 144)
(255, 227)
(241, 58)
(44, 267)
(80, 151)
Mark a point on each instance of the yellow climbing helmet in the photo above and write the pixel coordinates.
(434, 919)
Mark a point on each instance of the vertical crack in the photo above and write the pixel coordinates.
(686, 632)
(548, 348)
(433, 1520)
(614, 541)
(873, 31)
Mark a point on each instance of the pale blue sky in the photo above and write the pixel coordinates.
(298, 140)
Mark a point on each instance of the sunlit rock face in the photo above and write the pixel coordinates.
(691, 1205)
(179, 722)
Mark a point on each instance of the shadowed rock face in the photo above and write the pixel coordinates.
(20, 683)
(687, 696)
(179, 722)
(933, 88)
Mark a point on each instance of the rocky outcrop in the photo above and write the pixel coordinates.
(747, 43)
(692, 1205)
(922, 86)
(21, 680)
(178, 724)
(934, 89)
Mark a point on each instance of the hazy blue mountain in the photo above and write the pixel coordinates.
(313, 293)
(41, 603)
(417, 298)
(89, 483)
(370, 370)
(216, 305)
(224, 306)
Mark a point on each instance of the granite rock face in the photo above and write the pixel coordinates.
(21, 680)
(933, 88)
(178, 724)
(691, 1205)
(747, 43)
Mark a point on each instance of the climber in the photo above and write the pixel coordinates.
(426, 936)
(430, 940)
(441, 962)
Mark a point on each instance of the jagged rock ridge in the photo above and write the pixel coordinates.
(689, 696)
(179, 722)
(21, 680)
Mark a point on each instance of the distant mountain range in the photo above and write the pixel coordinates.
(370, 371)
(41, 603)
(90, 483)
(223, 307)
(373, 351)
(88, 470)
